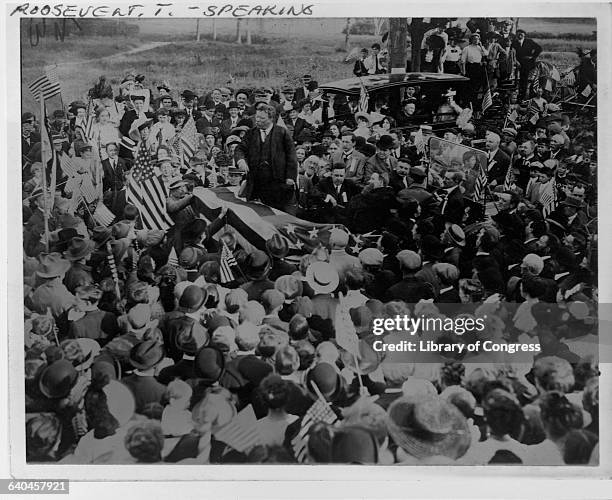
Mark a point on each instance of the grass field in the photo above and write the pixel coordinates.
(282, 50)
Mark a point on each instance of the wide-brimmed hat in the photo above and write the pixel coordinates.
(368, 359)
(146, 355)
(363, 115)
(322, 277)
(572, 201)
(238, 129)
(192, 298)
(257, 265)
(57, 379)
(164, 155)
(100, 235)
(277, 246)
(64, 237)
(209, 364)
(79, 248)
(176, 183)
(137, 126)
(188, 95)
(52, 265)
(164, 85)
(232, 139)
(428, 427)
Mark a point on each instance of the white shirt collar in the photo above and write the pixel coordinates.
(443, 290)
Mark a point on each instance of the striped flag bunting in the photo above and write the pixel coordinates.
(535, 85)
(588, 90)
(569, 80)
(487, 100)
(364, 99)
(479, 187)
(227, 261)
(146, 192)
(103, 216)
(241, 433)
(42, 86)
(87, 126)
(189, 143)
(255, 223)
(548, 198)
(318, 412)
(173, 258)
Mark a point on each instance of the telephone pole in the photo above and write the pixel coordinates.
(398, 29)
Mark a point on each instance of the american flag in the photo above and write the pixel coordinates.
(364, 99)
(88, 189)
(588, 90)
(512, 115)
(241, 433)
(479, 187)
(535, 85)
(419, 142)
(146, 193)
(487, 100)
(173, 258)
(103, 216)
(227, 261)
(48, 153)
(318, 412)
(346, 334)
(509, 180)
(45, 87)
(189, 141)
(51, 72)
(569, 79)
(68, 166)
(548, 198)
(87, 125)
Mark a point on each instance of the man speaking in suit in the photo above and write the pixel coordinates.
(335, 192)
(498, 161)
(267, 154)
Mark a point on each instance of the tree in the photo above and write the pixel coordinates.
(398, 27)
(417, 30)
(248, 32)
(348, 32)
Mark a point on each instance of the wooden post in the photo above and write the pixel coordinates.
(198, 30)
(398, 28)
(248, 33)
(348, 32)
(214, 27)
(44, 178)
(238, 31)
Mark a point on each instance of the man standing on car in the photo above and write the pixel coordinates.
(267, 155)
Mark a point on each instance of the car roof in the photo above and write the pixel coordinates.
(389, 80)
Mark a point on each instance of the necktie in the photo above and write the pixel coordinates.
(375, 64)
(338, 189)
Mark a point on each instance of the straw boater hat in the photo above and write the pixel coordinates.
(163, 155)
(137, 126)
(322, 277)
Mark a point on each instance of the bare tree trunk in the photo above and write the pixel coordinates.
(198, 30)
(248, 32)
(238, 31)
(515, 22)
(398, 28)
(417, 30)
(348, 31)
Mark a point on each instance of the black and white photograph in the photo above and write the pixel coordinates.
(308, 241)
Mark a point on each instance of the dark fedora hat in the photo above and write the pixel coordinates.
(277, 246)
(257, 265)
(192, 298)
(79, 248)
(64, 237)
(146, 355)
(57, 379)
(100, 235)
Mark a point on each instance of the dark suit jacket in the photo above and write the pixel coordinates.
(359, 69)
(498, 167)
(374, 164)
(202, 122)
(283, 161)
(397, 182)
(127, 119)
(296, 128)
(226, 127)
(355, 163)
(347, 190)
(453, 207)
(114, 178)
(25, 147)
(528, 49)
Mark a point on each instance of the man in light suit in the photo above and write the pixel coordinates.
(498, 161)
(381, 162)
(353, 160)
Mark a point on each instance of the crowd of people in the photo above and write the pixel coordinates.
(132, 356)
